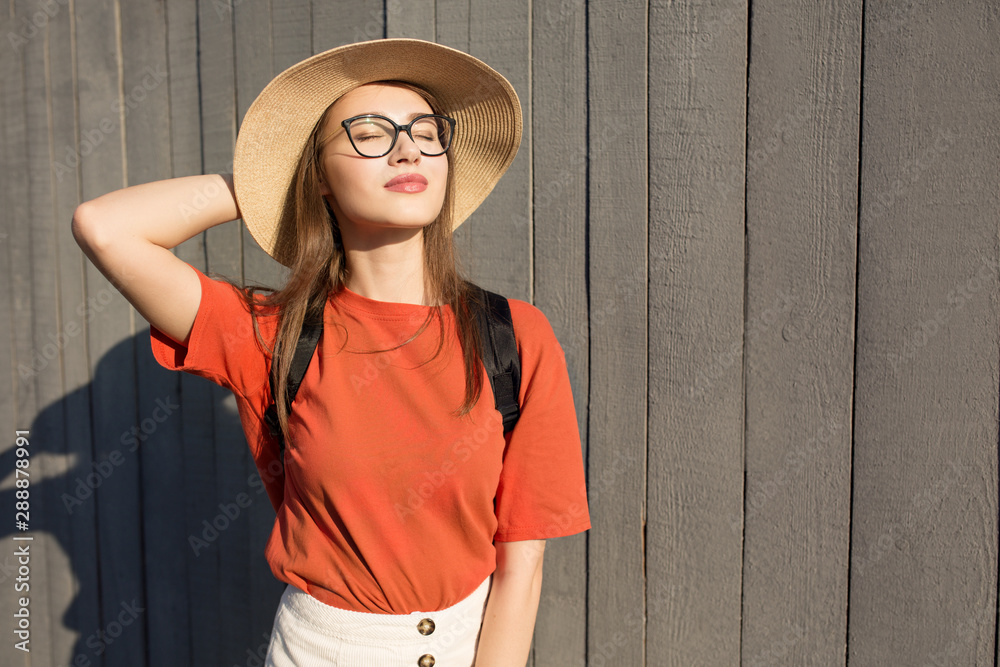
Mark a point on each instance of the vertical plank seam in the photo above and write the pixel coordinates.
(27, 411)
(996, 604)
(201, 121)
(587, 294)
(132, 313)
(63, 447)
(645, 467)
(78, 182)
(746, 281)
(857, 300)
(531, 157)
(55, 209)
(91, 366)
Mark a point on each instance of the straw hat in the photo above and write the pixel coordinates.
(278, 123)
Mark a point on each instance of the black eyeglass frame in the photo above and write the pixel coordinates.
(396, 127)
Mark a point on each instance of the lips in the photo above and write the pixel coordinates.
(407, 183)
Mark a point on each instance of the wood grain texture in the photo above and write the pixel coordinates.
(79, 544)
(195, 445)
(339, 23)
(19, 396)
(223, 254)
(290, 26)
(254, 46)
(47, 433)
(924, 532)
(453, 23)
(559, 185)
(291, 34)
(411, 18)
(766, 486)
(801, 244)
(153, 441)
(617, 258)
(697, 109)
(496, 239)
(110, 324)
(224, 257)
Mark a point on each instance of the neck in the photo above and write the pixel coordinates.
(387, 265)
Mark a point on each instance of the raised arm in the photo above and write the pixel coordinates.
(128, 235)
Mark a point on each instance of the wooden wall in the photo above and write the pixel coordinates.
(766, 234)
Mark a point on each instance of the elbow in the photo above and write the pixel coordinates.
(88, 231)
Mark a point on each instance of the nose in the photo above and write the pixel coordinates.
(405, 149)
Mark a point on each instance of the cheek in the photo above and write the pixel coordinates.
(343, 181)
(441, 177)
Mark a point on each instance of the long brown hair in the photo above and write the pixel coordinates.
(314, 252)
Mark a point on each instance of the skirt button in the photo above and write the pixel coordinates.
(426, 660)
(425, 627)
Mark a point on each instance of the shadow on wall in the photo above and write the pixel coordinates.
(160, 514)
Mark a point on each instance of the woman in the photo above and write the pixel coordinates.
(410, 529)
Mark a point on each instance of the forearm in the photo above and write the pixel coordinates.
(509, 622)
(128, 235)
(165, 213)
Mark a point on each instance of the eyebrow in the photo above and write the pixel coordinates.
(383, 113)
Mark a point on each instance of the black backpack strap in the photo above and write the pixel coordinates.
(503, 365)
(304, 350)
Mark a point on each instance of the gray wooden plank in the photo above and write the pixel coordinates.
(255, 33)
(102, 106)
(803, 135)
(291, 34)
(223, 246)
(414, 19)
(336, 24)
(154, 437)
(697, 90)
(254, 69)
(559, 186)
(617, 270)
(19, 391)
(452, 24)
(452, 29)
(923, 579)
(49, 595)
(28, 360)
(496, 240)
(76, 506)
(196, 447)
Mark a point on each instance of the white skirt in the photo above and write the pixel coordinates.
(308, 632)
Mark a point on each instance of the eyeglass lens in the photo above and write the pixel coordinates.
(372, 136)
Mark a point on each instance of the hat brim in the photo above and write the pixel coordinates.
(278, 123)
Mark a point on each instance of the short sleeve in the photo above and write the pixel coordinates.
(542, 491)
(223, 346)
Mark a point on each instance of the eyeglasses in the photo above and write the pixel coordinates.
(374, 136)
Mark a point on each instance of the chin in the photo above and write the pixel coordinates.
(407, 222)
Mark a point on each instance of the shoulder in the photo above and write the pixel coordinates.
(234, 308)
(532, 329)
(526, 315)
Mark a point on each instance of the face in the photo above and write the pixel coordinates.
(355, 186)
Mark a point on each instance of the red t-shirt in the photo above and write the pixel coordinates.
(391, 504)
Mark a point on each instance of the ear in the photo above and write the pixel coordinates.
(323, 189)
